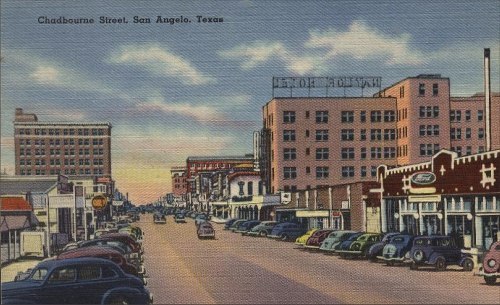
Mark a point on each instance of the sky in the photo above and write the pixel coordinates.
(195, 88)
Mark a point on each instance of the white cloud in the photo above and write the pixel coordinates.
(46, 75)
(364, 43)
(321, 49)
(162, 62)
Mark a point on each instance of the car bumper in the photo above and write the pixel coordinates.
(493, 274)
(311, 247)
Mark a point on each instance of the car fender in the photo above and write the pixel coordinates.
(433, 258)
(119, 291)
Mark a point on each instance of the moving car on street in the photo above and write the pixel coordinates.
(205, 230)
(179, 218)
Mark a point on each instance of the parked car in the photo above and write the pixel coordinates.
(159, 218)
(314, 242)
(333, 239)
(490, 269)
(229, 222)
(302, 239)
(262, 229)
(179, 218)
(246, 226)
(397, 249)
(235, 224)
(126, 238)
(360, 246)
(85, 280)
(133, 231)
(438, 251)
(205, 230)
(287, 231)
(101, 252)
(347, 243)
(377, 248)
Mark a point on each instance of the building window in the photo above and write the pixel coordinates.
(480, 133)
(428, 149)
(308, 151)
(307, 114)
(389, 152)
(347, 116)
(376, 152)
(389, 134)
(321, 116)
(421, 89)
(289, 153)
(362, 135)
(376, 134)
(363, 153)
(347, 134)
(455, 115)
(468, 150)
(468, 133)
(290, 172)
(480, 115)
(288, 116)
(401, 92)
(389, 116)
(467, 115)
(322, 135)
(288, 135)
(322, 172)
(308, 170)
(435, 90)
(456, 133)
(363, 171)
(250, 188)
(307, 133)
(435, 111)
(347, 153)
(347, 171)
(322, 153)
(363, 116)
(376, 116)
(373, 171)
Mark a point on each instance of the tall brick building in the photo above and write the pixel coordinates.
(68, 148)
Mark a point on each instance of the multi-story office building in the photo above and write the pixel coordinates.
(51, 148)
(309, 142)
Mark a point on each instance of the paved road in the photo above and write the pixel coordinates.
(235, 269)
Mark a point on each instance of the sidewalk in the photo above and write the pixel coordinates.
(10, 270)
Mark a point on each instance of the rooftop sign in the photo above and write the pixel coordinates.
(327, 82)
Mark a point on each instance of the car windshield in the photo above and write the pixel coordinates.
(397, 240)
(39, 274)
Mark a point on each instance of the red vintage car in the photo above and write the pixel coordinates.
(126, 238)
(490, 269)
(101, 252)
(315, 240)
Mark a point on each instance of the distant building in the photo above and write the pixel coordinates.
(67, 148)
(178, 175)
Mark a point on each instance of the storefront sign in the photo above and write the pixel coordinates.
(326, 82)
(423, 178)
(99, 202)
(323, 213)
(424, 198)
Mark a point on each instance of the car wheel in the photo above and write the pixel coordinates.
(413, 266)
(418, 255)
(263, 233)
(355, 247)
(490, 280)
(468, 264)
(440, 264)
(118, 301)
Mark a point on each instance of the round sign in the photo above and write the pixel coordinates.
(396, 215)
(99, 202)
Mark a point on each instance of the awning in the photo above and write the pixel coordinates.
(17, 222)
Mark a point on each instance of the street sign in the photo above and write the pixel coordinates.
(99, 202)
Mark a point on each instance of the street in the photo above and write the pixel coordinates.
(235, 269)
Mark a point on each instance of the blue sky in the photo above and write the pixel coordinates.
(173, 91)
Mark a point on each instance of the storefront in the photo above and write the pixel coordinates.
(458, 197)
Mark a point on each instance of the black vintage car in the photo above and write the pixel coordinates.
(77, 281)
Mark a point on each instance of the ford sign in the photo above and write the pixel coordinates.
(423, 178)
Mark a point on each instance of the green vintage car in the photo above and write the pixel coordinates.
(361, 245)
